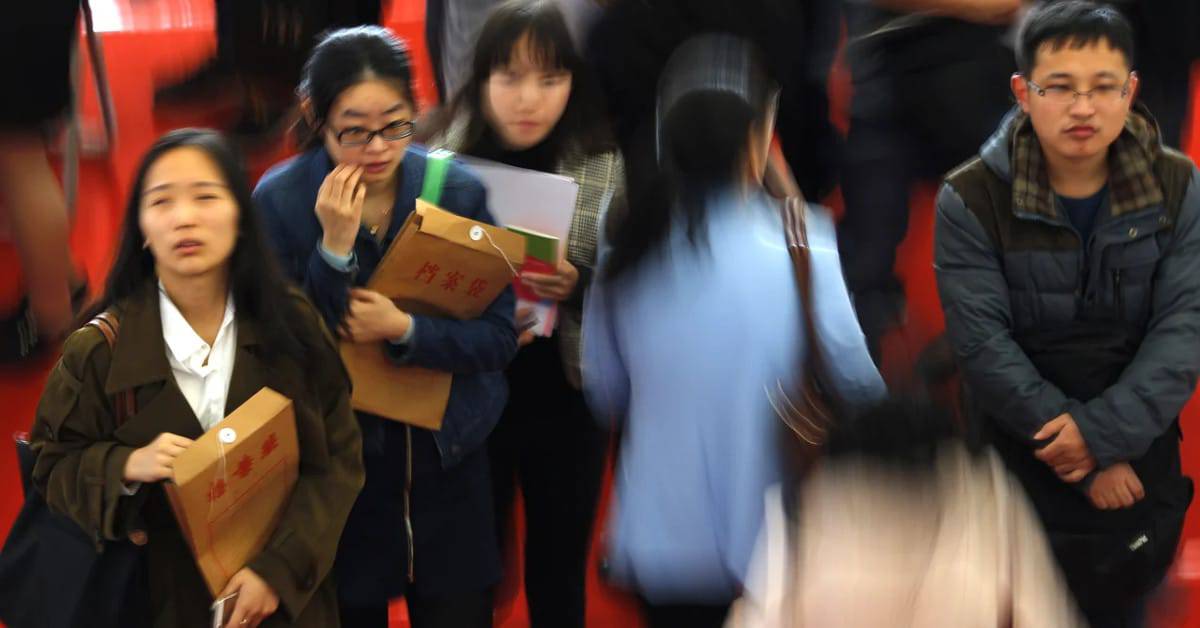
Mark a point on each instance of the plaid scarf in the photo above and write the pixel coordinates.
(1132, 183)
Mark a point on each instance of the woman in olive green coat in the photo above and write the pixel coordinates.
(206, 320)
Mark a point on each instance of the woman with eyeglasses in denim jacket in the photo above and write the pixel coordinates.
(332, 212)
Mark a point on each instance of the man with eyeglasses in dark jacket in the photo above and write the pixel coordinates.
(1067, 256)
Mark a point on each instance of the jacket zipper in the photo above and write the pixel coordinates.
(1120, 300)
(408, 482)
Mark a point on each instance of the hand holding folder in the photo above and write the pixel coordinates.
(440, 264)
(232, 485)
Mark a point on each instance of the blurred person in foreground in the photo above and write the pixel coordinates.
(899, 524)
(1067, 255)
(33, 212)
(695, 314)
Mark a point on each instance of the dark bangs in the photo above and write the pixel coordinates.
(544, 31)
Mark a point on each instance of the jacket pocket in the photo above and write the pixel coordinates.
(1130, 270)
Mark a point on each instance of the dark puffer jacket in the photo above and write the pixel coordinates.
(1009, 260)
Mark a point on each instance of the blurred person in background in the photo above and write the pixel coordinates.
(451, 28)
(1066, 256)
(1166, 47)
(899, 524)
(424, 526)
(33, 211)
(261, 49)
(694, 316)
(631, 40)
(530, 102)
(928, 88)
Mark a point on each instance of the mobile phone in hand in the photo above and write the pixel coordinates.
(222, 610)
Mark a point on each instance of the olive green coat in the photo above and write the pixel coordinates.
(81, 456)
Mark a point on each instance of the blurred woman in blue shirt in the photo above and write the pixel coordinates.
(695, 315)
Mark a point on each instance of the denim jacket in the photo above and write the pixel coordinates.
(475, 351)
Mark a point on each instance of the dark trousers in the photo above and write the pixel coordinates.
(926, 97)
(548, 444)
(465, 610)
(881, 166)
(684, 615)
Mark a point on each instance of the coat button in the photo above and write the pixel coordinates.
(1133, 232)
(1162, 220)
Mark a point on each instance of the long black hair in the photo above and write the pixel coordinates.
(712, 94)
(342, 59)
(584, 124)
(258, 286)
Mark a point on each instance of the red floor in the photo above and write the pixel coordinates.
(146, 43)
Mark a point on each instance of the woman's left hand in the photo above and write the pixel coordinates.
(556, 287)
(256, 599)
(373, 317)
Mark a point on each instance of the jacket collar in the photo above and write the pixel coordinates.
(139, 356)
(1132, 183)
(183, 343)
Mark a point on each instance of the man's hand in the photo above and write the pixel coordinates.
(1116, 487)
(1067, 453)
(994, 12)
(373, 317)
(256, 599)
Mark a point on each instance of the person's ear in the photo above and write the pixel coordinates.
(1020, 89)
(1134, 83)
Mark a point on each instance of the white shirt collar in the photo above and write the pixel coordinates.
(183, 343)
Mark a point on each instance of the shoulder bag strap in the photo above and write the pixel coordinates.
(806, 408)
(125, 403)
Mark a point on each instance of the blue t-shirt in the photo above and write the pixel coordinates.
(1082, 212)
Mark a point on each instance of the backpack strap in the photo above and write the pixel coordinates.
(124, 403)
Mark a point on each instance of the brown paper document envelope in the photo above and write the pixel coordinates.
(233, 484)
(407, 394)
(440, 264)
(448, 265)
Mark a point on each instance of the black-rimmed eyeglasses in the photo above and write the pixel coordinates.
(358, 136)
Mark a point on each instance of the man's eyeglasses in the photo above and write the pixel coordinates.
(358, 136)
(1100, 95)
